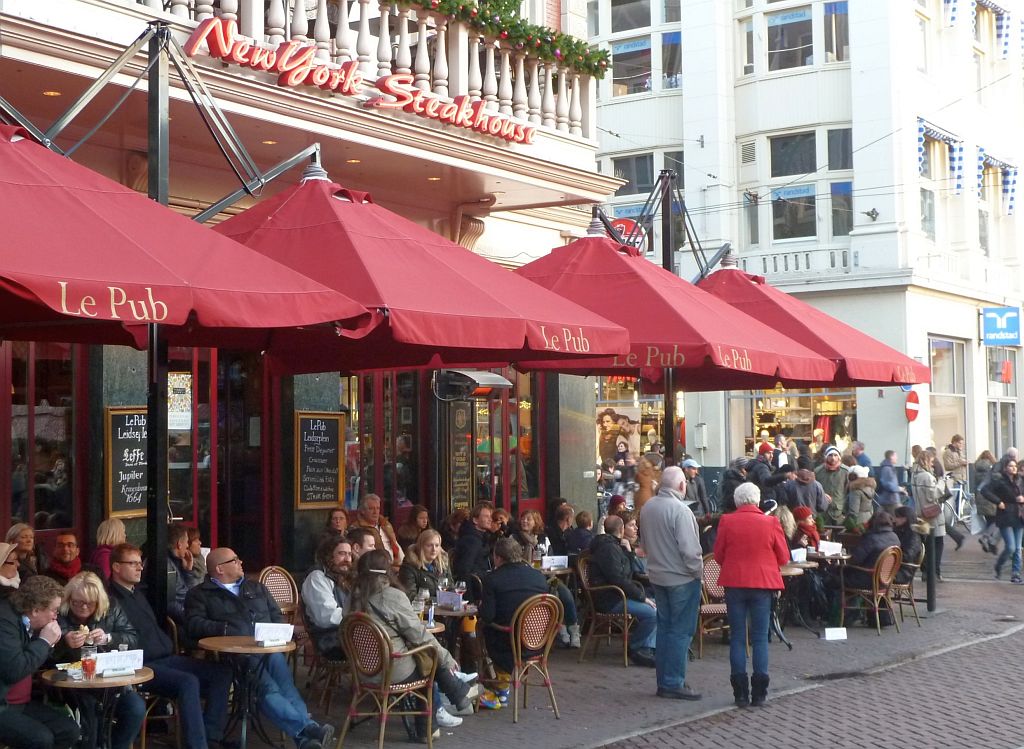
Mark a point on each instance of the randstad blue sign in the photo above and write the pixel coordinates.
(1000, 326)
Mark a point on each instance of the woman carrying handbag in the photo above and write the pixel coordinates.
(927, 493)
(1005, 488)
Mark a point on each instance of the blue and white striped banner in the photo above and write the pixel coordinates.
(951, 7)
(928, 131)
(1009, 189)
(1003, 35)
(981, 169)
(956, 166)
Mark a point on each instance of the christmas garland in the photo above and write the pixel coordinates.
(499, 19)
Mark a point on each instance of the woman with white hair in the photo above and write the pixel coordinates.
(750, 548)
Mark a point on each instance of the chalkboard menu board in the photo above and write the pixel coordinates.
(125, 459)
(319, 459)
(461, 454)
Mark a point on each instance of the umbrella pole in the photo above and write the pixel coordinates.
(665, 180)
(156, 417)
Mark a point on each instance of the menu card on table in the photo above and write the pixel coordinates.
(269, 635)
(118, 662)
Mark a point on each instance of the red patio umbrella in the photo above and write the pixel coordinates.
(861, 359)
(671, 323)
(442, 303)
(85, 259)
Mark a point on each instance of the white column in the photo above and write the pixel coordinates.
(441, 58)
(490, 88)
(403, 57)
(343, 40)
(475, 80)
(322, 32)
(519, 94)
(275, 21)
(575, 107)
(180, 8)
(505, 84)
(547, 101)
(562, 103)
(229, 9)
(458, 59)
(384, 41)
(533, 95)
(364, 40)
(422, 76)
(299, 24)
(250, 17)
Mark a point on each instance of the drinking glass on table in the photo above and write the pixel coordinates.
(445, 583)
(460, 587)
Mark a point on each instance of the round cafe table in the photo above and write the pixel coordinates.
(110, 688)
(248, 660)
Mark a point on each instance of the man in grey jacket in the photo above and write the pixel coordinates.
(671, 539)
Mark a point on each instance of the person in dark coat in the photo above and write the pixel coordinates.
(1004, 487)
(505, 589)
(611, 565)
(472, 553)
(759, 473)
(734, 475)
(66, 561)
(907, 529)
(880, 536)
(889, 493)
(23, 650)
(86, 606)
(226, 603)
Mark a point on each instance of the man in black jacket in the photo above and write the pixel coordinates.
(228, 604)
(609, 565)
(174, 676)
(23, 721)
(473, 549)
(505, 589)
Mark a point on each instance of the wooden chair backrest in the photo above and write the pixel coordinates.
(709, 580)
(282, 587)
(535, 624)
(886, 566)
(366, 645)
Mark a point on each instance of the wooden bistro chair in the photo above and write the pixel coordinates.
(902, 594)
(285, 592)
(533, 628)
(607, 625)
(368, 651)
(153, 701)
(878, 595)
(713, 616)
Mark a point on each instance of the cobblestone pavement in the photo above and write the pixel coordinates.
(925, 687)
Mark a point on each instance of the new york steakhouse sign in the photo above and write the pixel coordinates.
(296, 65)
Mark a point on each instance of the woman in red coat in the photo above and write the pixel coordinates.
(750, 548)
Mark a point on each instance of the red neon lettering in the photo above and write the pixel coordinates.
(220, 34)
(396, 86)
(240, 52)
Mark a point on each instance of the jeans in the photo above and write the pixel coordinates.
(754, 604)
(37, 726)
(183, 679)
(129, 712)
(568, 603)
(644, 631)
(677, 622)
(280, 701)
(1011, 549)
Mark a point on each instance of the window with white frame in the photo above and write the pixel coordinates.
(948, 399)
(747, 47)
(631, 66)
(793, 154)
(790, 39)
(988, 204)
(630, 14)
(837, 32)
(842, 208)
(593, 14)
(671, 60)
(840, 149)
(928, 212)
(671, 11)
(638, 171)
(793, 212)
(922, 41)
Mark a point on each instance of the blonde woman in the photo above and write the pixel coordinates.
(24, 540)
(109, 534)
(425, 564)
(87, 614)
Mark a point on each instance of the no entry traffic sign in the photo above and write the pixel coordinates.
(913, 405)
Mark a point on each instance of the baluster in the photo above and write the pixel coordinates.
(275, 21)
(576, 107)
(322, 32)
(179, 8)
(490, 87)
(343, 35)
(403, 58)
(547, 101)
(204, 9)
(505, 84)
(533, 96)
(155, 4)
(229, 9)
(441, 58)
(384, 41)
(475, 81)
(299, 25)
(422, 76)
(562, 104)
(519, 93)
(364, 40)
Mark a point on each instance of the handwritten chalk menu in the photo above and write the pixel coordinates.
(319, 459)
(461, 455)
(125, 461)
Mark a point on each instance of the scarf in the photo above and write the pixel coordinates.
(67, 570)
(10, 582)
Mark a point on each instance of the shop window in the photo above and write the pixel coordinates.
(840, 149)
(671, 12)
(1002, 371)
(948, 398)
(189, 449)
(41, 431)
(984, 219)
(928, 213)
(593, 14)
(747, 45)
(638, 171)
(750, 208)
(631, 67)
(837, 32)
(790, 41)
(671, 61)
(630, 14)
(793, 154)
(1002, 426)
(793, 212)
(842, 208)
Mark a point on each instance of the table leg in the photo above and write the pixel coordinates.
(776, 627)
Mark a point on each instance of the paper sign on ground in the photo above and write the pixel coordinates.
(835, 633)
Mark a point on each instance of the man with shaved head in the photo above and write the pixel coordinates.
(228, 604)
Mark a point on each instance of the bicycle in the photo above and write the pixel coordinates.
(958, 506)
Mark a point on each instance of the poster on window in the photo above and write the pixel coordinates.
(179, 401)
(618, 434)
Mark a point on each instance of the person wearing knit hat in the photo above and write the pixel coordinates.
(833, 478)
(9, 577)
(806, 529)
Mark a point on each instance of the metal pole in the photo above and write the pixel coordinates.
(156, 419)
(930, 568)
(667, 256)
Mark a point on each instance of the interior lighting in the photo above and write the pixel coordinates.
(269, 142)
(353, 161)
(433, 179)
(52, 93)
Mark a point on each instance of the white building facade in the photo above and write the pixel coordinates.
(861, 155)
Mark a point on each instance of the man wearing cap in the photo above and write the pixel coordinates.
(804, 491)
(674, 565)
(696, 491)
(833, 478)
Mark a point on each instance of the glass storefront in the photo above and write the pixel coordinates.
(817, 416)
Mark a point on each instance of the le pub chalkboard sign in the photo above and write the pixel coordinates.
(319, 459)
(125, 458)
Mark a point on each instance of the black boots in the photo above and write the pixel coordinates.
(740, 689)
(758, 689)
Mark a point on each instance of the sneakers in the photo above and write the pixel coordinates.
(998, 573)
(445, 719)
(685, 693)
(465, 678)
(985, 543)
(564, 638)
(315, 736)
(465, 707)
(574, 636)
(1016, 580)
